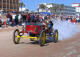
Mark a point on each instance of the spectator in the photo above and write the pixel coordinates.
(19, 19)
(13, 18)
(27, 17)
(23, 17)
(16, 19)
(37, 17)
(32, 17)
(0, 22)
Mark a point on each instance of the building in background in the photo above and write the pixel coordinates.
(9, 5)
(58, 8)
(77, 8)
(23, 10)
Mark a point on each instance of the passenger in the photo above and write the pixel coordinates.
(48, 24)
(40, 18)
(45, 17)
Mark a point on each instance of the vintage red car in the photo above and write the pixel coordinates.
(35, 31)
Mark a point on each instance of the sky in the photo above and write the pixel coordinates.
(33, 4)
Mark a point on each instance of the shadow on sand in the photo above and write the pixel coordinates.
(48, 40)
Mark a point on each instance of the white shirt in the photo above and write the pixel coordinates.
(13, 17)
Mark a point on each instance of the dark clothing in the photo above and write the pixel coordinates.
(24, 18)
(50, 25)
(45, 17)
(27, 17)
(10, 18)
(32, 18)
(16, 19)
(8, 15)
(0, 23)
(37, 18)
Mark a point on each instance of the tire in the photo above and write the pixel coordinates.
(15, 39)
(56, 36)
(42, 38)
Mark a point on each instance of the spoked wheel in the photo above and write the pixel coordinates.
(16, 39)
(42, 38)
(56, 36)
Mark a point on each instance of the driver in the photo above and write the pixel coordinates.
(48, 24)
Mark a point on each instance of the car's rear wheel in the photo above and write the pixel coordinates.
(56, 36)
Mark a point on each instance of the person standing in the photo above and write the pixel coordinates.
(32, 17)
(27, 17)
(23, 17)
(16, 19)
(0, 22)
(37, 17)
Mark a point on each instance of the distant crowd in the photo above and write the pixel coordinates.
(14, 19)
(17, 19)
